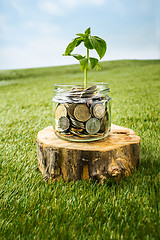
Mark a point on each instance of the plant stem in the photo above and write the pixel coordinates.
(85, 78)
(86, 70)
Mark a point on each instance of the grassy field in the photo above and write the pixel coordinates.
(33, 209)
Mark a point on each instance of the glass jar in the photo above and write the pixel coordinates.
(82, 114)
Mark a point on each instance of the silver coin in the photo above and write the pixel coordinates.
(93, 125)
(98, 110)
(63, 123)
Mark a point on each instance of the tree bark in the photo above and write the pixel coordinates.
(115, 156)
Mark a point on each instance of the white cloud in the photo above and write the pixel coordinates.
(52, 7)
(61, 7)
(71, 4)
(40, 45)
(115, 53)
(98, 2)
(40, 52)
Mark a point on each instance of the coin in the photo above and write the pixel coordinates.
(81, 112)
(70, 109)
(93, 125)
(66, 133)
(77, 123)
(79, 134)
(88, 92)
(98, 110)
(60, 111)
(63, 123)
(75, 92)
(76, 129)
(91, 88)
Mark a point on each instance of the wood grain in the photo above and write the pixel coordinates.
(115, 156)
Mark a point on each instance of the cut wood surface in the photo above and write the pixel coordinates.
(115, 156)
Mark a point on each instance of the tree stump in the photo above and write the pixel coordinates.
(115, 156)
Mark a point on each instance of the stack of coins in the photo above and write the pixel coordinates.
(82, 93)
(83, 119)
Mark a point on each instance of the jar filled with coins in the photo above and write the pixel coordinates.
(82, 114)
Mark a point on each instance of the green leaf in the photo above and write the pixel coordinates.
(78, 40)
(83, 64)
(77, 56)
(88, 31)
(88, 44)
(98, 66)
(72, 45)
(80, 34)
(93, 62)
(99, 45)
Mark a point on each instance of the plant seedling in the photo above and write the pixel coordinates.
(90, 42)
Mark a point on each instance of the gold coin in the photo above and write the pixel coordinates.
(81, 112)
(75, 92)
(76, 123)
(60, 111)
(70, 109)
(66, 134)
(76, 129)
(88, 92)
(98, 110)
(80, 135)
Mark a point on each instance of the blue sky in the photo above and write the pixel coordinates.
(35, 33)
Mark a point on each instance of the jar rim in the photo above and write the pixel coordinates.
(80, 84)
(63, 91)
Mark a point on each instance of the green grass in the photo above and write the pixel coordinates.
(33, 209)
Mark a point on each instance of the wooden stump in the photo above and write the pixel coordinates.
(115, 156)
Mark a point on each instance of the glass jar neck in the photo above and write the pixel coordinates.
(77, 93)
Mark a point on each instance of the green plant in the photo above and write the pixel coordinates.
(90, 42)
(78, 210)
